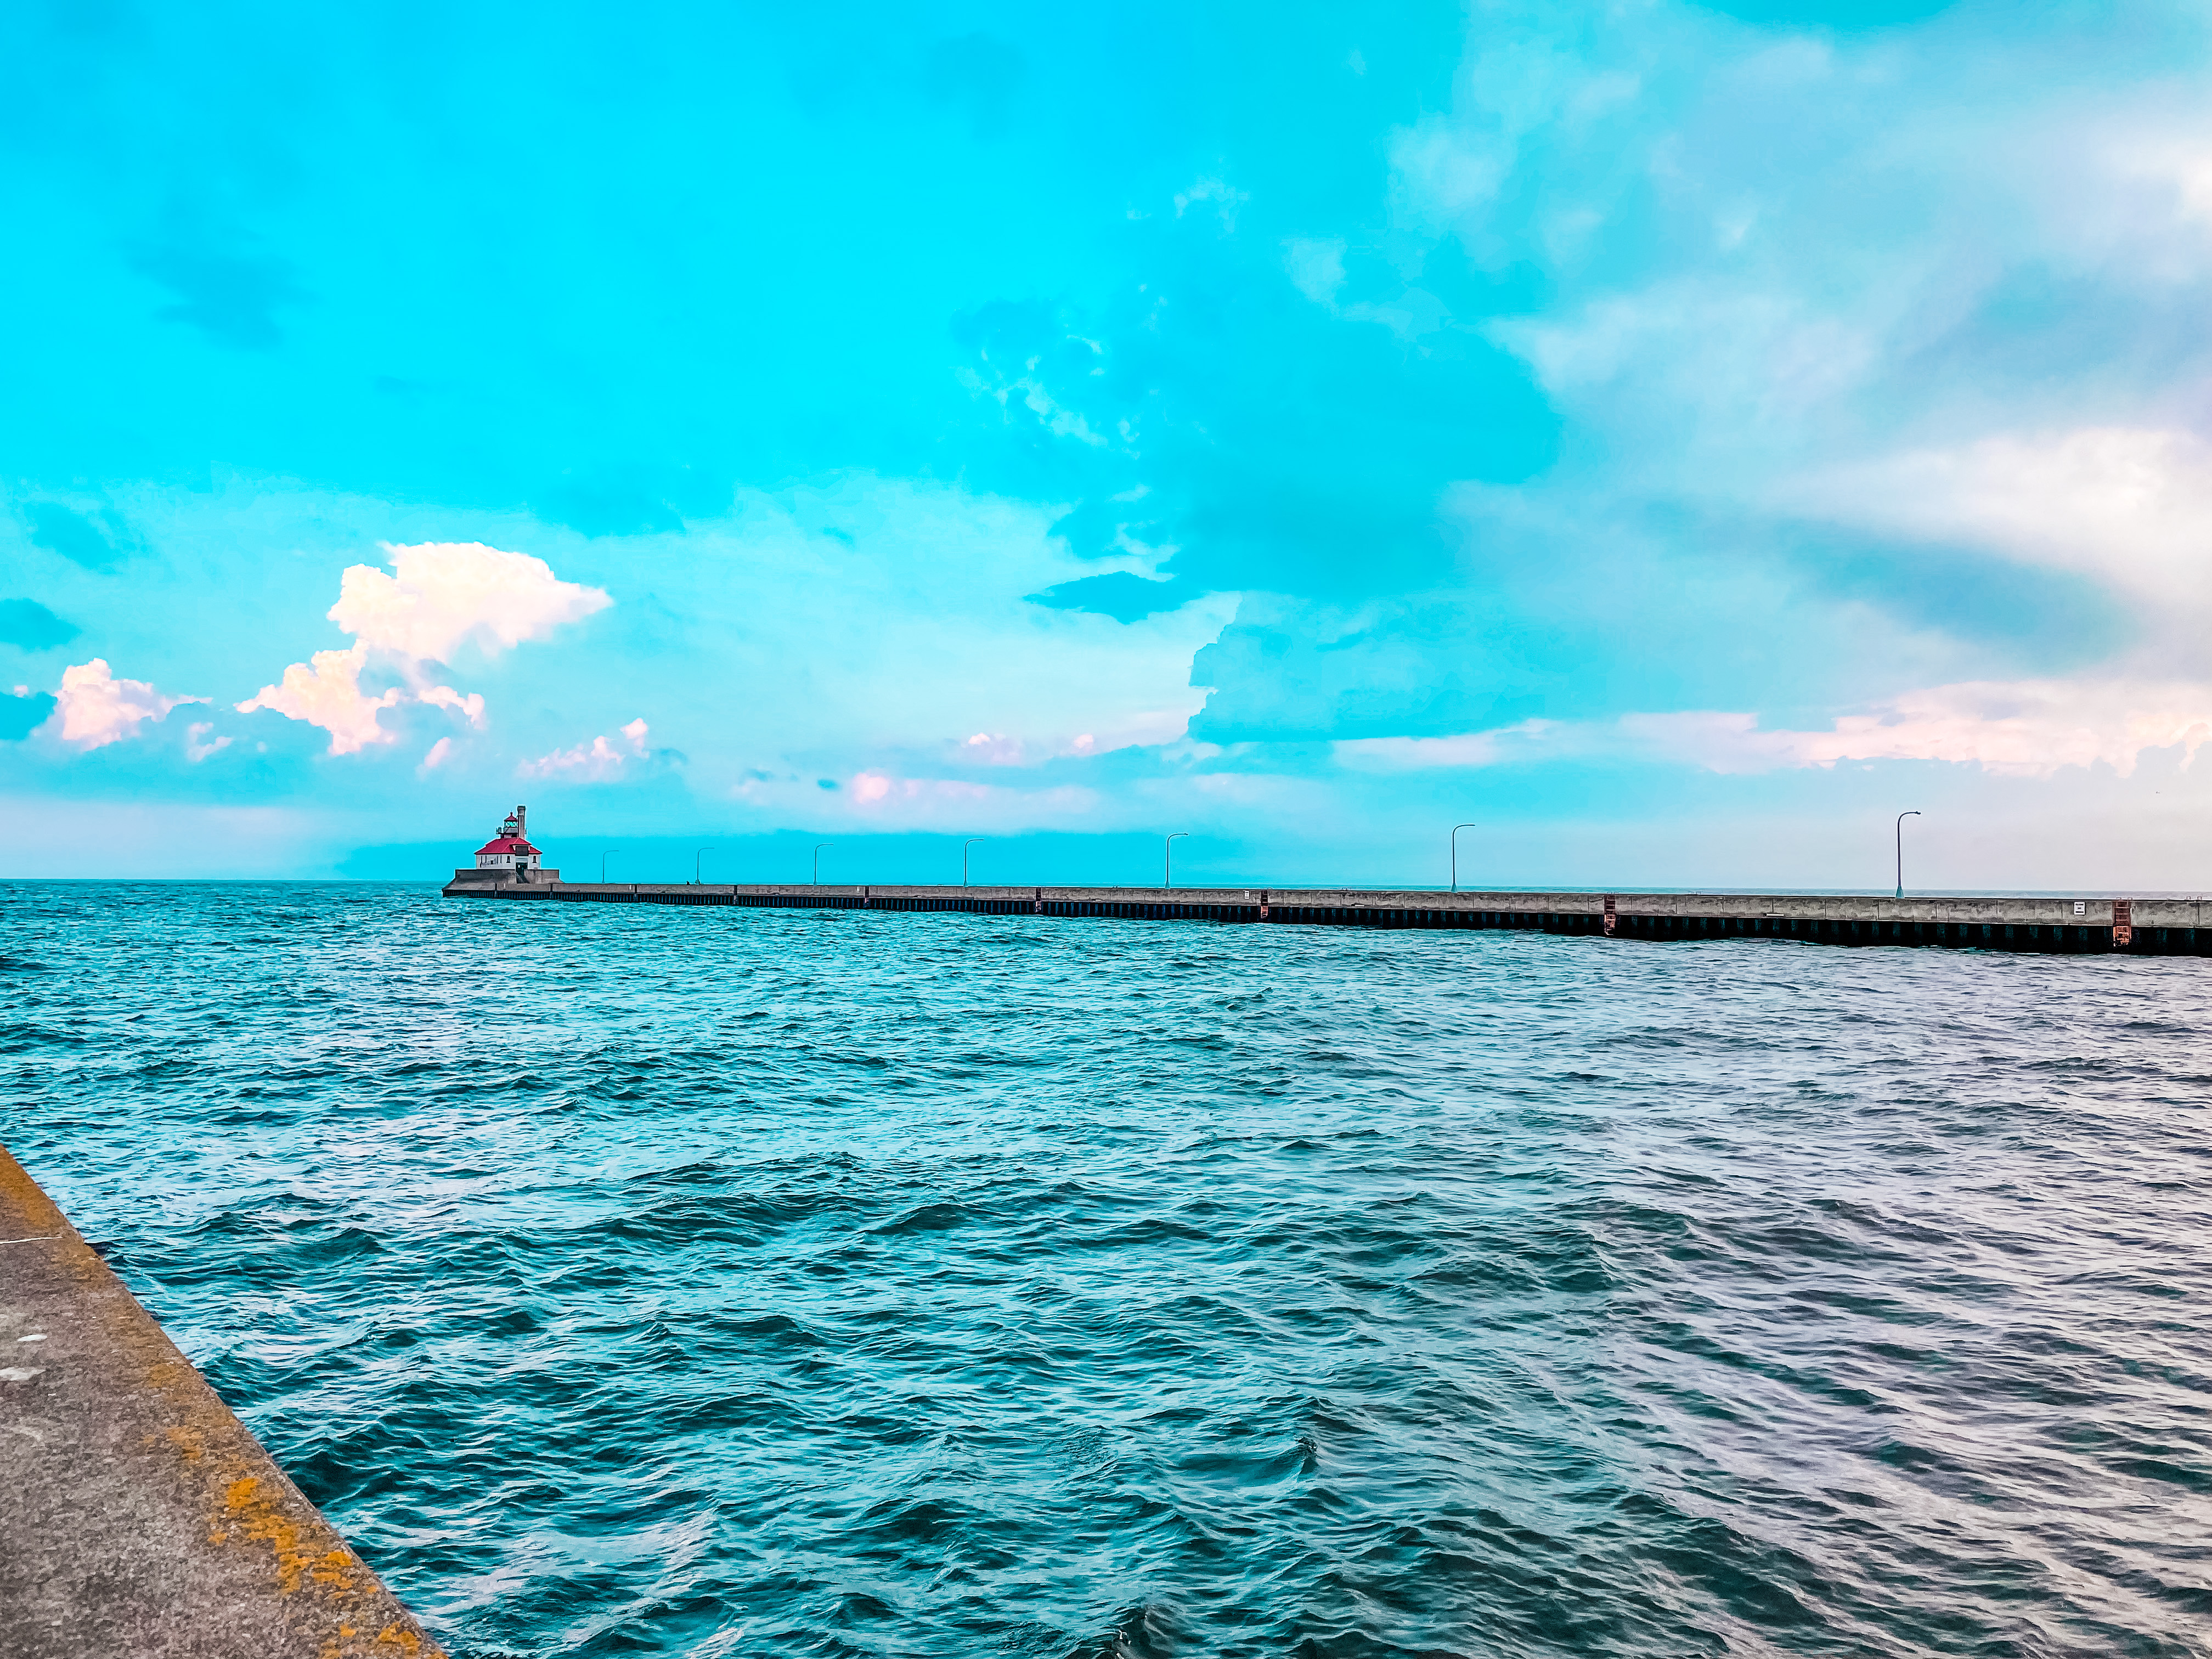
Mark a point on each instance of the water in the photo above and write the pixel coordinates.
(643, 1280)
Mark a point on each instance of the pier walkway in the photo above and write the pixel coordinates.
(140, 1518)
(2163, 927)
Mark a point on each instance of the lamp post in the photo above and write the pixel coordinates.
(1169, 881)
(964, 846)
(603, 869)
(1457, 827)
(696, 857)
(1901, 817)
(819, 846)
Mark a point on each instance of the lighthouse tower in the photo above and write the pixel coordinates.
(509, 852)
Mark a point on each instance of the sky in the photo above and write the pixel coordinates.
(1669, 439)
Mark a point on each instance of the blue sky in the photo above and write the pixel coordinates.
(1673, 439)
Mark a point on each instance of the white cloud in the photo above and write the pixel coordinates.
(993, 749)
(470, 708)
(196, 746)
(596, 761)
(1316, 266)
(2021, 728)
(2144, 192)
(809, 632)
(2036, 247)
(2131, 505)
(443, 593)
(873, 788)
(1440, 175)
(1420, 754)
(327, 694)
(1226, 199)
(93, 708)
(1713, 373)
(446, 592)
(2028, 728)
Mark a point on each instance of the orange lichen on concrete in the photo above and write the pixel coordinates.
(185, 1538)
(171, 1374)
(335, 1569)
(248, 1512)
(264, 1525)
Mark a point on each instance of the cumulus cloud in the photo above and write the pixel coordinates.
(327, 693)
(95, 709)
(442, 593)
(598, 761)
(440, 751)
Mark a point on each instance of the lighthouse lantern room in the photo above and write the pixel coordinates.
(510, 849)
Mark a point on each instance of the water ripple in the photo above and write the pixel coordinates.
(776, 1283)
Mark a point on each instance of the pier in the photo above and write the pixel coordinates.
(141, 1517)
(2147, 926)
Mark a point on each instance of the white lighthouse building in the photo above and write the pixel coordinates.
(509, 854)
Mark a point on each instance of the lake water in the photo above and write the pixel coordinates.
(776, 1283)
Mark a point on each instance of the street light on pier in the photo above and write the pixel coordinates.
(819, 846)
(1457, 827)
(603, 869)
(964, 846)
(1901, 817)
(696, 857)
(1169, 881)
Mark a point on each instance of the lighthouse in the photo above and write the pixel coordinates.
(509, 853)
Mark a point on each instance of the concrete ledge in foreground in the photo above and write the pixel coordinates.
(138, 1516)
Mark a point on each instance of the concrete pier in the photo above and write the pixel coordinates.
(139, 1517)
(2163, 927)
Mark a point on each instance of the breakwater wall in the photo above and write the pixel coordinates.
(141, 1517)
(2160, 927)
